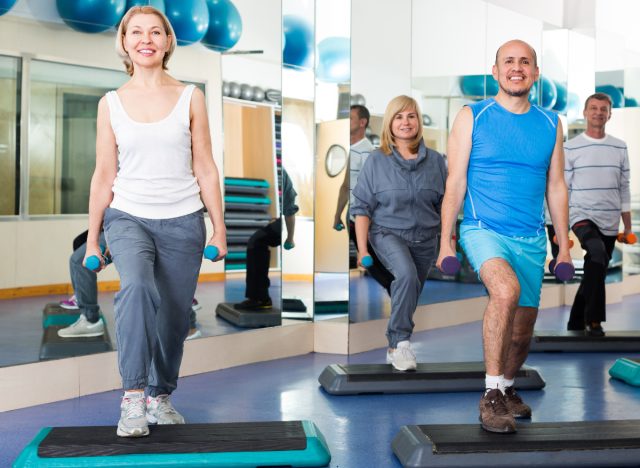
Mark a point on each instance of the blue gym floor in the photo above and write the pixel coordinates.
(359, 429)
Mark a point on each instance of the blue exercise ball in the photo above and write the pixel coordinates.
(561, 100)
(298, 48)
(479, 85)
(189, 18)
(334, 60)
(548, 93)
(91, 16)
(630, 102)
(6, 5)
(617, 98)
(225, 25)
(157, 4)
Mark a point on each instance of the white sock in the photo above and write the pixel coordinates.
(129, 394)
(494, 381)
(508, 382)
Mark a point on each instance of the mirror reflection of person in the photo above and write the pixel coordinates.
(259, 255)
(397, 207)
(85, 296)
(597, 174)
(359, 151)
(154, 174)
(504, 154)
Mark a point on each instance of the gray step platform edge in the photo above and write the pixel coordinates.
(577, 342)
(247, 318)
(334, 380)
(415, 450)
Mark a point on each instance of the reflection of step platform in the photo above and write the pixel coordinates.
(293, 305)
(331, 307)
(249, 318)
(55, 315)
(579, 342)
(253, 444)
(357, 379)
(54, 347)
(627, 370)
(583, 443)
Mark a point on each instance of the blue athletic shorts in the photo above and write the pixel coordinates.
(526, 255)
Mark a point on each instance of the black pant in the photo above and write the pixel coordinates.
(377, 271)
(589, 304)
(258, 258)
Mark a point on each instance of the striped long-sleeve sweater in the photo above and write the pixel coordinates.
(597, 175)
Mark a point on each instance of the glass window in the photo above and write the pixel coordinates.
(9, 135)
(63, 109)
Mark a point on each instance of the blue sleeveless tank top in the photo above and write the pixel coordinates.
(508, 164)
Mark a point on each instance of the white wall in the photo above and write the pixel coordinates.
(380, 51)
(36, 252)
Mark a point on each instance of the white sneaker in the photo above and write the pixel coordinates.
(133, 422)
(82, 328)
(195, 305)
(161, 411)
(402, 358)
(193, 335)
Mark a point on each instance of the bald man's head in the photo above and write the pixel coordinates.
(534, 56)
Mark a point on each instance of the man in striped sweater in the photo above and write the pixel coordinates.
(597, 175)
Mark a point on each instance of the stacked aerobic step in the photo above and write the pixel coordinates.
(246, 210)
(627, 370)
(52, 346)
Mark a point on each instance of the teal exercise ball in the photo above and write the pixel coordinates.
(298, 43)
(6, 5)
(479, 85)
(617, 98)
(630, 102)
(225, 25)
(334, 60)
(561, 101)
(548, 93)
(157, 4)
(91, 16)
(189, 18)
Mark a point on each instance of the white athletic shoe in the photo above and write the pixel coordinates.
(70, 304)
(82, 328)
(193, 334)
(402, 358)
(161, 411)
(133, 422)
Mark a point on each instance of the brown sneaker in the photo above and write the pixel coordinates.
(517, 407)
(494, 415)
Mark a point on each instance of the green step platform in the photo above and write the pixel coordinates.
(627, 370)
(246, 445)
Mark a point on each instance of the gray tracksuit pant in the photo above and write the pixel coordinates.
(408, 255)
(158, 261)
(85, 283)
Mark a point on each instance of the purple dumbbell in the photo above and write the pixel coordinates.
(564, 271)
(450, 265)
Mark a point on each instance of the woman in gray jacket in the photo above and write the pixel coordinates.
(397, 206)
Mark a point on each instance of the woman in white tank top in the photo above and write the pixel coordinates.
(154, 174)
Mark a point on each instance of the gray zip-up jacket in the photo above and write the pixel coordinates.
(399, 194)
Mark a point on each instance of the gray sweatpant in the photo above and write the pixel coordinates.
(408, 255)
(85, 283)
(158, 261)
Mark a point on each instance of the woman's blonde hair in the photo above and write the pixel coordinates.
(399, 104)
(122, 30)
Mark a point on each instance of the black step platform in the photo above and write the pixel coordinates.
(54, 347)
(253, 444)
(359, 379)
(293, 305)
(54, 314)
(590, 443)
(249, 318)
(578, 342)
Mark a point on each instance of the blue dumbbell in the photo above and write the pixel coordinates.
(367, 261)
(339, 227)
(211, 252)
(288, 245)
(93, 262)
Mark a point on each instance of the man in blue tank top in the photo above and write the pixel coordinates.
(504, 155)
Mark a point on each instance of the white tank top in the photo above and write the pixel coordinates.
(155, 178)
